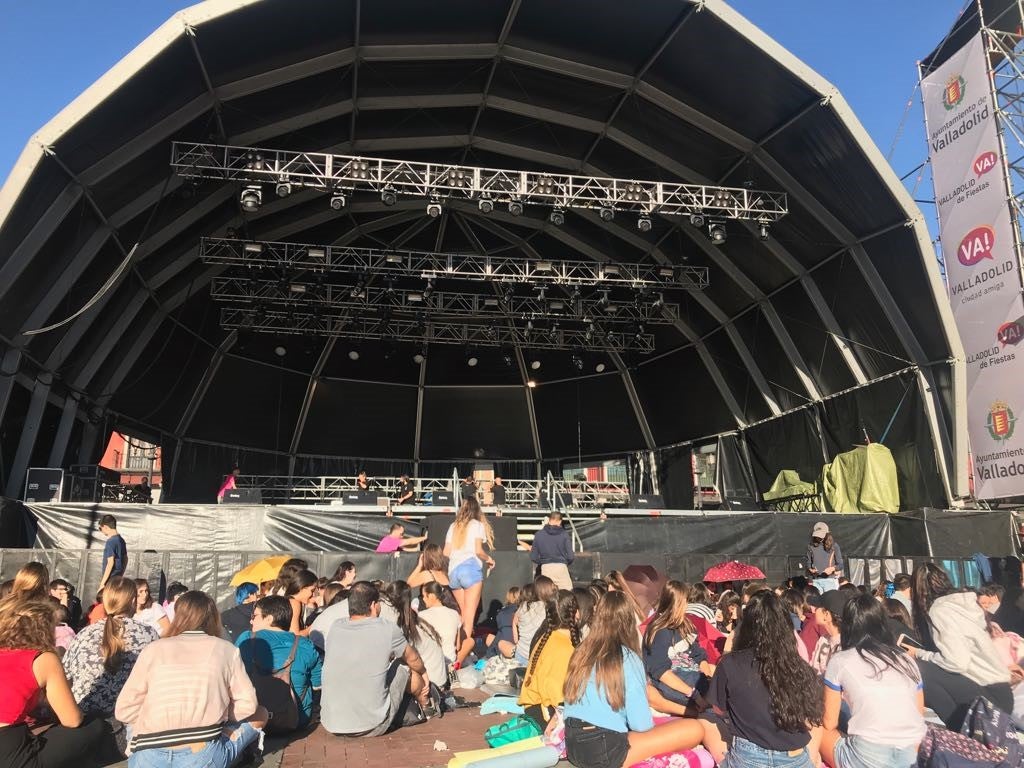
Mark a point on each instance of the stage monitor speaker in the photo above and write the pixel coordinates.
(442, 499)
(647, 500)
(366, 498)
(504, 531)
(44, 485)
(243, 496)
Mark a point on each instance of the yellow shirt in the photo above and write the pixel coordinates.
(544, 684)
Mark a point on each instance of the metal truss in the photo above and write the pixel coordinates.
(341, 173)
(493, 268)
(419, 331)
(305, 295)
(1006, 51)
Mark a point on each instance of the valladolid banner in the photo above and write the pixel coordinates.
(982, 267)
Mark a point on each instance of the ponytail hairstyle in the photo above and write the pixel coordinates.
(671, 613)
(399, 596)
(561, 614)
(613, 629)
(119, 602)
(442, 593)
(470, 510)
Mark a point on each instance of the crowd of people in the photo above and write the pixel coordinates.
(758, 676)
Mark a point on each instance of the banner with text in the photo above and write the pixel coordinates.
(982, 270)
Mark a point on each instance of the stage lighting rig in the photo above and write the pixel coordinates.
(697, 220)
(515, 208)
(486, 205)
(763, 231)
(251, 198)
(644, 224)
(338, 201)
(717, 232)
(433, 209)
(607, 214)
(388, 196)
(557, 217)
(283, 189)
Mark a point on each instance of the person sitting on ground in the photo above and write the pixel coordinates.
(147, 610)
(369, 668)
(335, 609)
(345, 574)
(730, 606)
(238, 618)
(881, 684)
(270, 648)
(608, 723)
(585, 602)
(961, 661)
(446, 622)
(676, 664)
(501, 643)
(701, 602)
(531, 615)
(31, 582)
(96, 612)
(62, 591)
(431, 566)
(396, 540)
(6, 587)
(30, 670)
(552, 551)
(174, 591)
(543, 685)
(1004, 612)
(188, 698)
(103, 654)
(422, 636)
(300, 591)
(772, 698)
(63, 634)
(901, 591)
(617, 582)
(828, 617)
(751, 588)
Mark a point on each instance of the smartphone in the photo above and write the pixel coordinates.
(908, 641)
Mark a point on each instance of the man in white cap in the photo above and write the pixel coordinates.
(824, 558)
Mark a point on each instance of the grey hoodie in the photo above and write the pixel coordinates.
(959, 632)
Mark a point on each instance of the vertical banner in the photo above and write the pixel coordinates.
(982, 270)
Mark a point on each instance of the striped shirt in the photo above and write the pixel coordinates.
(704, 611)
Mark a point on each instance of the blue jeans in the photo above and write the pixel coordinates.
(855, 752)
(746, 754)
(466, 574)
(223, 752)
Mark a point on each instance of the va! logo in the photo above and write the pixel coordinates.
(976, 245)
(956, 89)
(1000, 421)
(1010, 333)
(984, 163)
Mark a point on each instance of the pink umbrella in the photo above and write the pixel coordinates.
(733, 570)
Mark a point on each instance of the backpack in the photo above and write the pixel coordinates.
(987, 740)
(274, 691)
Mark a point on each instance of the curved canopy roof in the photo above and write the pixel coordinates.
(846, 290)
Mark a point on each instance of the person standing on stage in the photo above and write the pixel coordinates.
(115, 551)
(230, 483)
(552, 551)
(363, 483)
(406, 491)
(497, 492)
(824, 557)
(464, 548)
(469, 488)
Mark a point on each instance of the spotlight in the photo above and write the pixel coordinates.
(599, 367)
(388, 195)
(471, 361)
(543, 266)
(414, 298)
(337, 201)
(418, 358)
(610, 270)
(607, 214)
(434, 210)
(428, 290)
(353, 354)
(763, 232)
(251, 198)
(531, 384)
(253, 248)
(283, 189)
(393, 258)
(515, 207)
(280, 351)
(318, 254)
(644, 223)
(535, 365)
(486, 205)
(659, 302)
(254, 161)
(557, 217)
(697, 220)
(717, 233)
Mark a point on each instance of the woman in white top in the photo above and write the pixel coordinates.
(446, 621)
(147, 611)
(464, 548)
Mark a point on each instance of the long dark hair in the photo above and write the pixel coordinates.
(928, 583)
(561, 614)
(793, 687)
(399, 595)
(601, 653)
(442, 593)
(671, 613)
(863, 626)
(586, 602)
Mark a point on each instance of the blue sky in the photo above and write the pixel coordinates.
(50, 50)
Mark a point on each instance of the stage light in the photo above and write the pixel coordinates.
(353, 354)
(644, 223)
(535, 365)
(283, 189)
(557, 217)
(393, 258)
(388, 195)
(491, 301)
(428, 290)
(507, 357)
(486, 205)
(541, 293)
(251, 198)
(418, 358)
(717, 232)
(434, 210)
(471, 361)
(529, 325)
(578, 362)
(337, 201)
(297, 288)
(531, 384)
(280, 351)
(763, 232)
(515, 207)
(254, 161)
(722, 197)
(697, 220)
(610, 270)
(659, 302)
(316, 253)
(253, 248)
(414, 298)
(599, 367)
(607, 214)
(543, 266)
